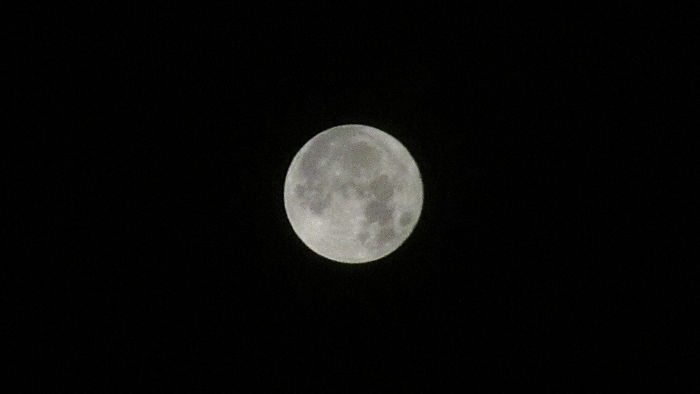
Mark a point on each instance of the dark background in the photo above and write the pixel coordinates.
(161, 139)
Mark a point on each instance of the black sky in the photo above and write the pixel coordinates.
(171, 259)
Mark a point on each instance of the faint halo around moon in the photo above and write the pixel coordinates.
(353, 194)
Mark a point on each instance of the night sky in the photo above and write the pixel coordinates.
(163, 136)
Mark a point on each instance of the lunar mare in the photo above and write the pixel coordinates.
(353, 194)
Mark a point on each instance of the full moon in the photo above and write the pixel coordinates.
(353, 194)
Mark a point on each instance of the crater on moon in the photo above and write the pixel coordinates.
(344, 190)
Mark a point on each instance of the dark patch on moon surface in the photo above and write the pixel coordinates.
(405, 218)
(377, 211)
(352, 190)
(385, 235)
(360, 157)
(301, 191)
(319, 204)
(312, 197)
(319, 149)
(363, 236)
(382, 189)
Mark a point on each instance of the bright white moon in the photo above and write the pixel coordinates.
(353, 194)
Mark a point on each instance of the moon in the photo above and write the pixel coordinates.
(353, 194)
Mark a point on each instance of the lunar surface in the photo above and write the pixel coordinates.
(353, 194)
